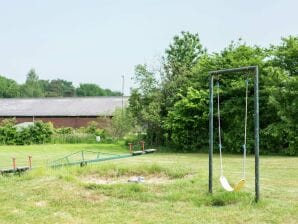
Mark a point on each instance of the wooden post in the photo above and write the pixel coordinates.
(14, 163)
(143, 145)
(30, 161)
(130, 147)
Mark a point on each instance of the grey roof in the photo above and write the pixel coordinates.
(66, 106)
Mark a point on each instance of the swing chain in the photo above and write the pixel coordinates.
(219, 129)
(245, 128)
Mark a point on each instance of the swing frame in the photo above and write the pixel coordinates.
(252, 70)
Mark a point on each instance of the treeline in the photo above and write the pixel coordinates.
(171, 105)
(35, 87)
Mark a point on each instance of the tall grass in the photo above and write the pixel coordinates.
(73, 138)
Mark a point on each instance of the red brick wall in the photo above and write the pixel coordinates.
(58, 122)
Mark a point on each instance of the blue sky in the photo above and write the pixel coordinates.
(99, 41)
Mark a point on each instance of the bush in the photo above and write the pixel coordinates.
(64, 130)
(122, 123)
(8, 132)
(40, 132)
(37, 133)
(92, 127)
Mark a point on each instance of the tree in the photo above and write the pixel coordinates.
(60, 87)
(32, 87)
(187, 121)
(182, 54)
(177, 110)
(144, 103)
(90, 89)
(32, 77)
(122, 123)
(285, 55)
(112, 93)
(180, 58)
(8, 88)
(280, 134)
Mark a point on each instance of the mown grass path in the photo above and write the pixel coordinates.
(176, 190)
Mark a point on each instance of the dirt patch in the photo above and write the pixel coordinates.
(152, 179)
(41, 204)
(88, 196)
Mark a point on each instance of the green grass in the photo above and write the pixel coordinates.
(175, 190)
(41, 154)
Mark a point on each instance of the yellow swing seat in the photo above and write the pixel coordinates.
(225, 184)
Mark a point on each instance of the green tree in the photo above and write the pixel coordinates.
(90, 89)
(285, 55)
(180, 58)
(182, 54)
(8, 88)
(32, 87)
(281, 133)
(187, 121)
(122, 123)
(144, 103)
(176, 111)
(60, 87)
(112, 93)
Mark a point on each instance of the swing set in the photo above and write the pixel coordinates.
(223, 180)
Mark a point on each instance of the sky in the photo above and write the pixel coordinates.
(87, 41)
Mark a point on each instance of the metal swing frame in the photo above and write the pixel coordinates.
(254, 70)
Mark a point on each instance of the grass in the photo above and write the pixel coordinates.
(178, 193)
(74, 138)
(41, 154)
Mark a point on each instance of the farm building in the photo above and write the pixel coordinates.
(62, 112)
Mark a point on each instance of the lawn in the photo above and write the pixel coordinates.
(175, 189)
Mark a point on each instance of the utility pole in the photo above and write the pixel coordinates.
(122, 94)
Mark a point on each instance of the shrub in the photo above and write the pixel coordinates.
(122, 123)
(41, 132)
(37, 133)
(64, 130)
(8, 132)
(92, 127)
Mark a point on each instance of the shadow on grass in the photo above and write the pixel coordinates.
(223, 199)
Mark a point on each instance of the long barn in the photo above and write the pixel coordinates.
(62, 112)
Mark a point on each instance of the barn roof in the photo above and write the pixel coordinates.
(66, 106)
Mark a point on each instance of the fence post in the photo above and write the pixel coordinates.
(83, 158)
(130, 147)
(30, 161)
(14, 163)
(143, 145)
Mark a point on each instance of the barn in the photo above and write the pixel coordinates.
(62, 112)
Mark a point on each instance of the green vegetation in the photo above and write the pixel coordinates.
(175, 189)
(40, 133)
(171, 104)
(90, 89)
(35, 87)
(37, 133)
(170, 109)
(73, 138)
